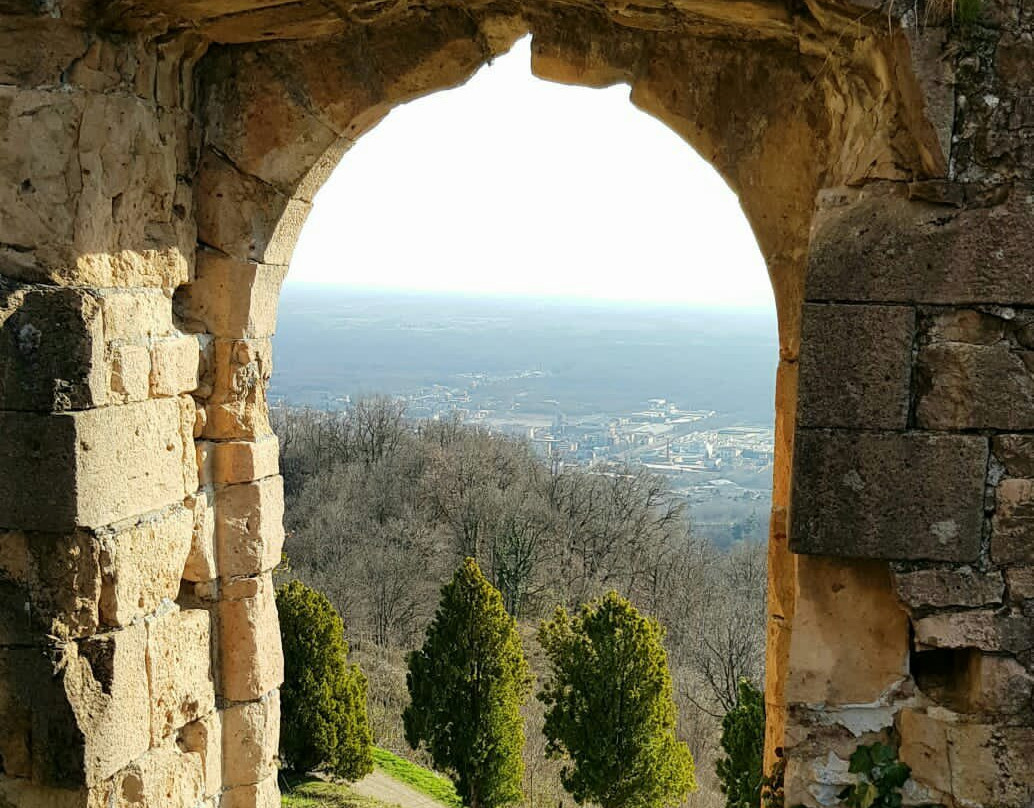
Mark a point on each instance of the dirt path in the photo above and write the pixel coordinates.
(387, 789)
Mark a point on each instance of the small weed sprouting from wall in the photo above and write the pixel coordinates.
(880, 778)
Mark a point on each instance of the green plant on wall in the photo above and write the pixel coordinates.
(880, 778)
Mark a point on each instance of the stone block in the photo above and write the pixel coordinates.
(1012, 527)
(855, 366)
(1015, 453)
(938, 589)
(190, 419)
(958, 630)
(142, 563)
(163, 777)
(74, 583)
(40, 199)
(91, 468)
(963, 325)
(269, 101)
(14, 558)
(251, 658)
(201, 563)
(179, 664)
(963, 386)
(261, 795)
(1021, 583)
(26, 794)
(251, 735)
(1014, 785)
(77, 212)
(51, 349)
(239, 372)
(174, 366)
(136, 314)
(895, 496)
(249, 530)
(42, 737)
(838, 599)
(953, 759)
(130, 373)
(874, 245)
(16, 710)
(1001, 686)
(105, 679)
(231, 299)
(37, 50)
(982, 629)
(205, 737)
(50, 585)
(130, 460)
(238, 461)
(38, 459)
(1016, 633)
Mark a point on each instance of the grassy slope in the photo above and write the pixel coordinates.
(311, 792)
(417, 777)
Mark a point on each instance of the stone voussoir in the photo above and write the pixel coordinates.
(238, 461)
(250, 655)
(239, 371)
(251, 735)
(249, 530)
(232, 299)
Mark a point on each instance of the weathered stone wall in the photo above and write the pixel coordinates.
(111, 687)
(159, 160)
(911, 447)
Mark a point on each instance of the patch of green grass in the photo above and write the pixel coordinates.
(417, 777)
(311, 792)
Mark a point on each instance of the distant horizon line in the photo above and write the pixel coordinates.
(758, 308)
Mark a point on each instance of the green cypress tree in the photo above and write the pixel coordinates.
(467, 685)
(610, 708)
(323, 699)
(743, 741)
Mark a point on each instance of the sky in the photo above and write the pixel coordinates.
(514, 186)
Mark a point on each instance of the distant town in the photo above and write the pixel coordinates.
(686, 394)
(723, 470)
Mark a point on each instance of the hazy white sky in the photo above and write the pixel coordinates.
(512, 185)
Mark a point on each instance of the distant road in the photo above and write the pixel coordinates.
(381, 786)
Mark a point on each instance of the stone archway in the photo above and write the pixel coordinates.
(161, 159)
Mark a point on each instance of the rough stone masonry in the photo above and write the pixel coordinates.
(157, 162)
